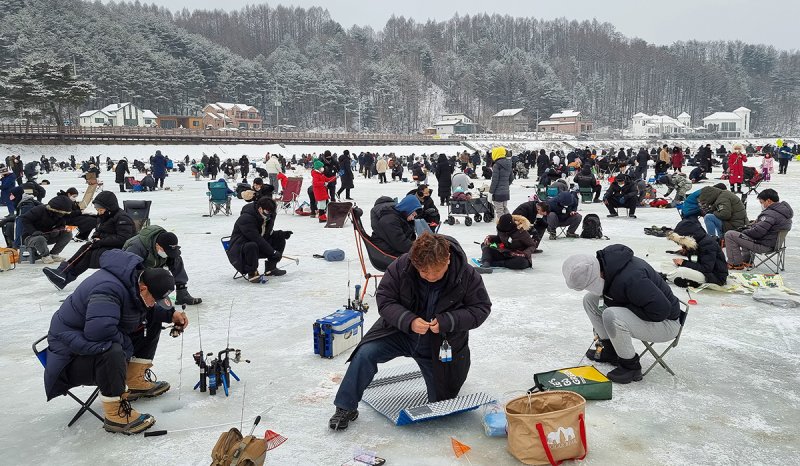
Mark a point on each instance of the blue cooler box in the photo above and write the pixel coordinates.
(338, 332)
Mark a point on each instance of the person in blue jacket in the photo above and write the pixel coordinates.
(159, 166)
(106, 334)
(7, 183)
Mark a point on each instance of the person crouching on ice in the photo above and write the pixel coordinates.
(106, 333)
(253, 238)
(638, 303)
(429, 296)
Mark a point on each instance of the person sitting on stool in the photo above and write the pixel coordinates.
(428, 296)
(106, 334)
(621, 193)
(563, 212)
(253, 238)
(638, 304)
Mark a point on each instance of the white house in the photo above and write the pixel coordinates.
(454, 123)
(644, 125)
(729, 124)
(122, 114)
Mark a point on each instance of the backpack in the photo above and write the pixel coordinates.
(591, 227)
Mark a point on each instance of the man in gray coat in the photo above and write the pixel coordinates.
(501, 180)
(762, 235)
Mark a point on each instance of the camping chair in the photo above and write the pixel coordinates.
(752, 183)
(337, 213)
(776, 257)
(379, 259)
(289, 195)
(587, 194)
(41, 355)
(219, 199)
(226, 244)
(660, 357)
(139, 211)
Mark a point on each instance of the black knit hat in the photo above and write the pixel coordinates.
(505, 224)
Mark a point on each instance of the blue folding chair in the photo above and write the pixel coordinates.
(41, 355)
(219, 198)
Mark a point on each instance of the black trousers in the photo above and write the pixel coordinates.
(783, 164)
(107, 370)
(85, 223)
(251, 255)
(80, 262)
(613, 203)
(494, 258)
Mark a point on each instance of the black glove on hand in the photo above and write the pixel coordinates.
(287, 234)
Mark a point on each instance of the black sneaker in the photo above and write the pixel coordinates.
(341, 419)
(553, 236)
(631, 216)
(573, 235)
(629, 370)
(685, 283)
(275, 273)
(612, 215)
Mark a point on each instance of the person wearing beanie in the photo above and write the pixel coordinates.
(426, 297)
(501, 181)
(511, 247)
(106, 334)
(84, 222)
(44, 225)
(253, 238)
(114, 227)
(393, 224)
(638, 303)
(710, 266)
(320, 181)
(159, 249)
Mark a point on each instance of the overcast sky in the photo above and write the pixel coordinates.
(660, 22)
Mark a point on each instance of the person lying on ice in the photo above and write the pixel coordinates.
(253, 238)
(160, 250)
(106, 333)
(638, 303)
(427, 296)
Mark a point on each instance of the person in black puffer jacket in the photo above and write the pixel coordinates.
(253, 238)
(43, 225)
(621, 193)
(710, 266)
(586, 180)
(393, 225)
(762, 235)
(639, 304)
(511, 247)
(114, 227)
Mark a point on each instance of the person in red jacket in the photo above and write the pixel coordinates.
(677, 159)
(320, 184)
(736, 160)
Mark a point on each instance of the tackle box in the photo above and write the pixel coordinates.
(338, 332)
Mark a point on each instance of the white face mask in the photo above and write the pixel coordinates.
(74, 198)
(162, 254)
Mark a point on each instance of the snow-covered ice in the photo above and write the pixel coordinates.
(734, 399)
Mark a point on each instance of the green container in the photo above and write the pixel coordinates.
(584, 380)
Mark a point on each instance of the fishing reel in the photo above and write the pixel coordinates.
(174, 330)
(216, 371)
(356, 304)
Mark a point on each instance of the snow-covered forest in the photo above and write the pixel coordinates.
(400, 78)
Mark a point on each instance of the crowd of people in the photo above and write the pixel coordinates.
(106, 332)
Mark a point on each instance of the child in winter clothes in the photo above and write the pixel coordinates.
(766, 167)
(319, 183)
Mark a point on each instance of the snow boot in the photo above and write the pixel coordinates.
(553, 235)
(121, 417)
(573, 235)
(141, 381)
(603, 352)
(612, 215)
(255, 277)
(271, 269)
(59, 278)
(341, 418)
(47, 259)
(629, 370)
(323, 218)
(182, 296)
(685, 283)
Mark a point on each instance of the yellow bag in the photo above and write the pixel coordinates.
(547, 427)
(232, 449)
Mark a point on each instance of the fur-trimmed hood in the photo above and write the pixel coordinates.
(522, 223)
(687, 233)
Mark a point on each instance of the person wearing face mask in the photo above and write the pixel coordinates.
(253, 238)
(428, 297)
(159, 249)
(621, 193)
(106, 333)
(114, 227)
(85, 222)
(44, 225)
(638, 303)
(760, 236)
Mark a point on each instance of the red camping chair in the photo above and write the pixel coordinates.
(288, 198)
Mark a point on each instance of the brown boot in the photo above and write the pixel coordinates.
(121, 417)
(141, 381)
